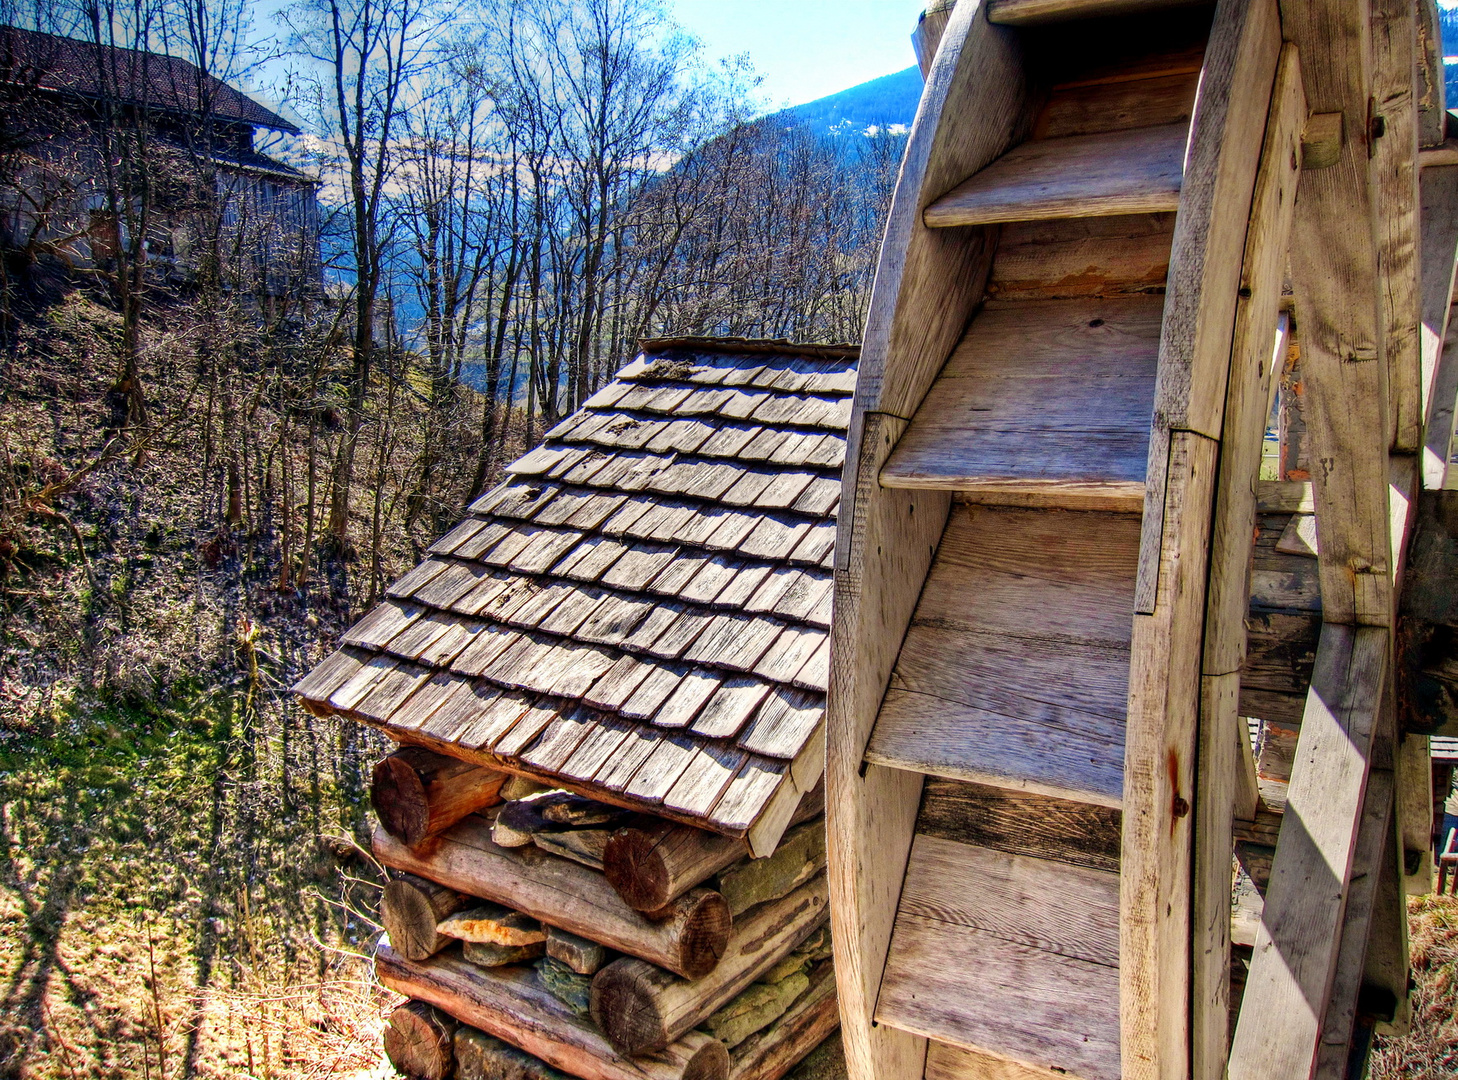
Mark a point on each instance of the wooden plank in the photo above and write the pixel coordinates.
(1051, 397)
(682, 705)
(1209, 240)
(1021, 824)
(1374, 847)
(1007, 954)
(1258, 347)
(926, 285)
(1164, 682)
(784, 723)
(1159, 776)
(1081, 257)
(1034, 12)
(384, 622)
(1027, 688)
(947, 1062)
(1296, 950)
(732, 704)
(1439, 221)
(512, 1004)
(1118, 106)
(871, 810)
(1136, 171)
(710, 772)
(803, 777)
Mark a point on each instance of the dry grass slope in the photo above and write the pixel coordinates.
(1430, 1050)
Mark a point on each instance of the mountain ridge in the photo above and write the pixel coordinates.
(884, 102)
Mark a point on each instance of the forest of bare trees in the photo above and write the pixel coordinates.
(209, 467)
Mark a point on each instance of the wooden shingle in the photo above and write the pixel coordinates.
(641, 607)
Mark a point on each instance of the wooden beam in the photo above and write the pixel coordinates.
(1159, 775)
(1374, 844)
(1156, 903)
(1257, 351)
(1297, 945)
(1208, 250)
(1439, 196)
(1394, 166)
(1335, 275)
(1415, 813)
(870, 810)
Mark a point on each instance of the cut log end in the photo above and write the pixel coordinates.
(710, 1062)
(706, 923)
(399, 799)
(410, 910)
(627, 1003)
(418, 1041)
(635, 867)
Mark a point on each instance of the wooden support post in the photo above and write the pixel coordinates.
(1335, 273)
(1432, 106)
(1415, 813)
(1374, 846)
(642, 1008)
(1439, 192)
(1298, 943)
(1395, 63)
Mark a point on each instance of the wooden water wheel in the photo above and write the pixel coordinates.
(1116, 224)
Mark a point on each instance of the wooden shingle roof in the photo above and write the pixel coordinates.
(641, 611)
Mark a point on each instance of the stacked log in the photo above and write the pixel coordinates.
(540, 935)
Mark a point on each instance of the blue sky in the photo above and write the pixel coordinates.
(806, 49)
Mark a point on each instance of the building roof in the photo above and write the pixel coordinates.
(641, 612)
(84, 69)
